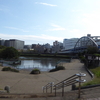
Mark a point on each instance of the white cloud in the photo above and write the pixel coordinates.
(76, 10)
(91, 21)
(54, 25)
(56, 28)
(31, 38)
(51, 37)
(14, 28)
(47, 4)
(74, 30)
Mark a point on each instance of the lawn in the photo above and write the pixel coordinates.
(96, 79)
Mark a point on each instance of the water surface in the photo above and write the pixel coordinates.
(42, 63)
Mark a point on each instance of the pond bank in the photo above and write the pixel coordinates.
(43, 64)
(46, 55)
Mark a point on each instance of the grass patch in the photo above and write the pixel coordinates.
(96, 71)
(1, 89)
(9, 69)
(96, 80)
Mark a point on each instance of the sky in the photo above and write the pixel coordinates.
(44, 21)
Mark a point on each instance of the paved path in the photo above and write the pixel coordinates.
(86, 94)
(25, 83)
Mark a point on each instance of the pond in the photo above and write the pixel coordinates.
(42, 63)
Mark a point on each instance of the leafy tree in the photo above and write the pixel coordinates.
(9, 53)
(2, 47)
(92, 50)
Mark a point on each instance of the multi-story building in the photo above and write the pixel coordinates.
(55, 43)
(17, 44)
(2, 42)
(37, 48)
(69, 43)
(47, 46)
(6, 43)
(57, 46)
(27, 47)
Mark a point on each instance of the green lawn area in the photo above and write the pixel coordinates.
(96, 79)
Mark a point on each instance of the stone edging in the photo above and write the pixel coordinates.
(91, 74)
(86, 87)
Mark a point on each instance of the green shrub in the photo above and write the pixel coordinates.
(6, 69)
(35, 71)
(60, 68)
(53, 70)
(9, 69)
(57, 68)
(98, 55)
(82, 58)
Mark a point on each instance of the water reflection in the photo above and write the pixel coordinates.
(44, 64)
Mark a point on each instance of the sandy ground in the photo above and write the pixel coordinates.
(23, 82)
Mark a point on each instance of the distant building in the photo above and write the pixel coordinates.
(17, 44)
(2, 42)
(55, 43)
(47, 46)
(27, 47)
(57, 46)
(38, 48)
(6, 43)
(69, 43)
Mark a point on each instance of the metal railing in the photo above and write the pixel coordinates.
(67, 82)
(48, 86)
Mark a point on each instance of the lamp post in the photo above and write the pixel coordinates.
(80, 81)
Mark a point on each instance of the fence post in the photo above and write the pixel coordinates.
(55, 90)
(46, 89)
(79, 87)
(43, 89)
(51, 87)
(62, 89)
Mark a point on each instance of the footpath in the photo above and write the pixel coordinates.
(86, 94)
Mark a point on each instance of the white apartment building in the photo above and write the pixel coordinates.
(69, 43)
(17, 44)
